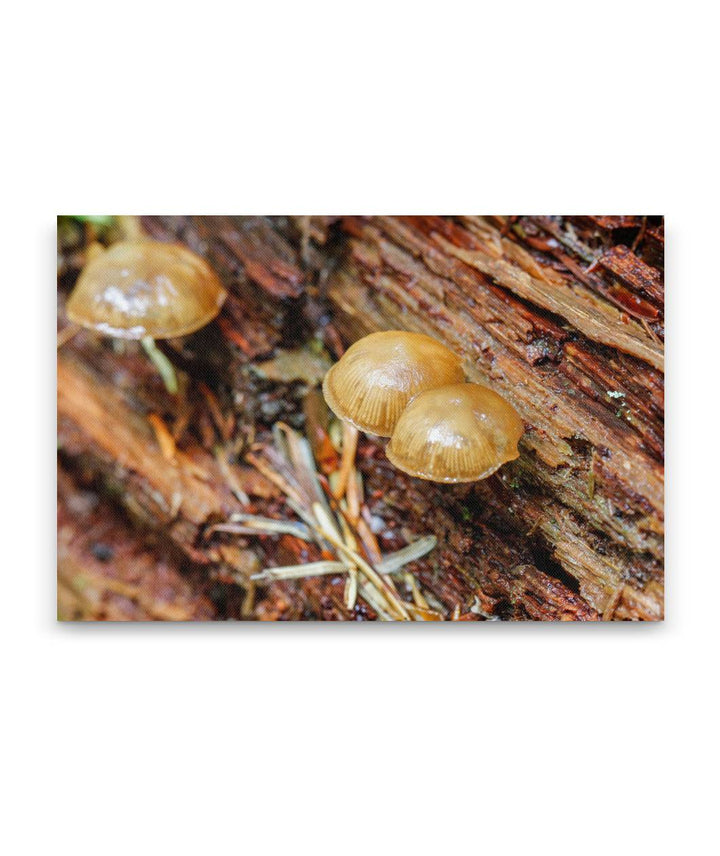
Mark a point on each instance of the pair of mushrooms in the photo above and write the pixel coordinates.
(146, 290)
(411, 388)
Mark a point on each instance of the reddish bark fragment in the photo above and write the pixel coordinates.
(635, 273)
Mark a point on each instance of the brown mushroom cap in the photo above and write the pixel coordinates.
(374, 380)
(146, 288)
(457, 433)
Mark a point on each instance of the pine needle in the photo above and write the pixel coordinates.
(295, 572)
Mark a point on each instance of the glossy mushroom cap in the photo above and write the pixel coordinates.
(457, 433)
(377, 376)
(146, 288)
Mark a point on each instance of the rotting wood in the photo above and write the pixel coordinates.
(108, 571)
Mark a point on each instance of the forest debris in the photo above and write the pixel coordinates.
(300, 364)
(272, 476)
(300, 483)
(393, 562)
(420, 613)
(351, 584)
(368, 536)
(635, 605)
(224, 424)
(250, 524)
(417, 594)
(294, 572)
(327, 530)
(165, 439)
(317, 425)
(244, 563)
(230, 477)
(252, 336)
(254, 483)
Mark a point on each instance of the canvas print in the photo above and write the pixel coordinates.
(360, 418)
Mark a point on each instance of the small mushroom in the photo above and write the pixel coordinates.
(372, 383)
(458, 433)
(147, 290)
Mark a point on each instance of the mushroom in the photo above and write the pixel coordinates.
(374, 380)
(147, 290)
(458, 433)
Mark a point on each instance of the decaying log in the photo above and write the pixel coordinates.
(564, 316)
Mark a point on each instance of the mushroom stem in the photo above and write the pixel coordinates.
(162, 364)
(94, 251)
(347, 462)
(131, 227)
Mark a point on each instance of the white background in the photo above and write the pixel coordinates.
(276, 739)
